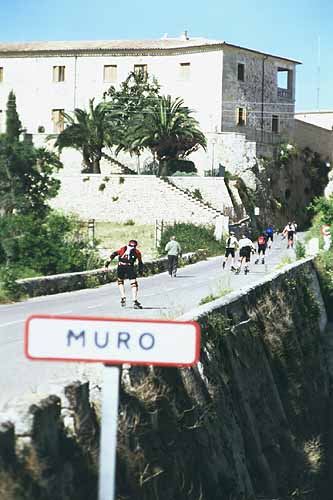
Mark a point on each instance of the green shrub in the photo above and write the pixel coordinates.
(324, 266)
(300, 250)
(121, 180)
(102, 187)
(197, 194)
(185, 166)
(50, 245)
(191, 237)
(8, 285)
(129, 222)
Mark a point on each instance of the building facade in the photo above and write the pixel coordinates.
(231, 89)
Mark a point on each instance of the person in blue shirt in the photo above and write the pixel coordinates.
(269, 236)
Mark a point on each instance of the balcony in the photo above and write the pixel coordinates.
(284, 93)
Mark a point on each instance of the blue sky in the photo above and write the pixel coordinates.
(291, 28)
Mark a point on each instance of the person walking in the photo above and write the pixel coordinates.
(262, 245)
(173, 250)
(127, 257)
(230, 250)
(246, 247)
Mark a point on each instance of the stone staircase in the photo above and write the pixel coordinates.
(187, 194)
(141, 198)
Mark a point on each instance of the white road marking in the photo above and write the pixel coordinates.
(95, 306)
(12, 323)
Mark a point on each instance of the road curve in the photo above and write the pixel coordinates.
(161, 296)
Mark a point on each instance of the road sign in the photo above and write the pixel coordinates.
(111, 341)
(325, 230)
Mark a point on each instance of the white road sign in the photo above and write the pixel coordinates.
(112, 340)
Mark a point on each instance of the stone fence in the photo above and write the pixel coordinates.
(59, 283)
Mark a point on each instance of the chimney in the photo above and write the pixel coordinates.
(184, 36)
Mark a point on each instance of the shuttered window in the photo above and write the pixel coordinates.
(58, 73)
(141, 69)
(110, 73)
(275, 123)
(184, 71)
(58, 120)
(240, 116)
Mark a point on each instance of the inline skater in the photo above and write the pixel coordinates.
(262, 245)
(246, 247)
(230, 249)
(127, 256)
(269, 236)
(289, 233)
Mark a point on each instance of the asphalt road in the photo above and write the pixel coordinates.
(161, 296)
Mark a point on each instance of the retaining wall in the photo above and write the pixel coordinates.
(67, 282)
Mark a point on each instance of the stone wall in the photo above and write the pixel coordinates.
(67, 282)
(142, 198)
(258, 93)
(247, 422)
(319, 139)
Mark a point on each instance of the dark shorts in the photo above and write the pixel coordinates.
(126, 272)
(262, 248)
(269, 236)
(229, 251)
(245, 252)
(291, 235)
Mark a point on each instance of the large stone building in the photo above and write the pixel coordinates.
(242, 98)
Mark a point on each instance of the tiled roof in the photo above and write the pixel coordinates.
(114, 46)
(168, 43)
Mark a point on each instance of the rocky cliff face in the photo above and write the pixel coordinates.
(248, 422)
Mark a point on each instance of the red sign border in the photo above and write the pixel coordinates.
(108, 362)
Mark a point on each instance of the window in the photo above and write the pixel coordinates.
(184, 71)
(1, 74)
(275, 123)
(240, 116)
(110, 73)
(241, 72)
(58, 120)
(141, 69)
(58, 73)
(284, 82)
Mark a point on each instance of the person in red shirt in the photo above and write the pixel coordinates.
(127, 257)
(262, 245)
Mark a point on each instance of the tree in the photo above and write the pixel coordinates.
(26, 177)
(128, 103)
(13, 123)
(88, 132)
(167, 128)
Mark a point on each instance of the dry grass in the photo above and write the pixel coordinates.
(113, 235)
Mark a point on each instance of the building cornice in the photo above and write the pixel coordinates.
(200, 47)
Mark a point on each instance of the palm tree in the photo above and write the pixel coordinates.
(88, 132)
(167, 128)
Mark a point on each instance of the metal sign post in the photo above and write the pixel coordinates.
(112, 341)
(109, 426)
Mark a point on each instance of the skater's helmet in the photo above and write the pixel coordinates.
(132, 243)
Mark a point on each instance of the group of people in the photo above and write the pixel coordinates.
(129, 254)
(246, 248)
